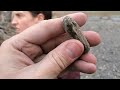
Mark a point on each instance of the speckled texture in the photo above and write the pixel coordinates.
(108, 52)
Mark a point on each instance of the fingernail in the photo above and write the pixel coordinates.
(73, 50)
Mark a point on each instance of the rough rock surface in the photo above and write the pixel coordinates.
(6, 31)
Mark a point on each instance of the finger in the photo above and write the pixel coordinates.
(85, 67)
(92, 37)
(47, 29)
(88, 57)
(39, 58)
(53, 43)
(58, 59)
(31, 50)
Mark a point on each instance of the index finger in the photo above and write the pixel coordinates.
(48, 29)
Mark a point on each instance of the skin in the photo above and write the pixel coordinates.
(21, 20)
(38, 57)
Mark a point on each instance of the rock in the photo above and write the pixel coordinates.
(6, 31)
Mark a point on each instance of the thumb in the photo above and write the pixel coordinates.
(59, 59)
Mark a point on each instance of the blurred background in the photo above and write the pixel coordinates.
(106, 23)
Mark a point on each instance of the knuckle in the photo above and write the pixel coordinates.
(59, 60)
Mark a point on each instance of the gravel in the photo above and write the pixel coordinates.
(108, 52)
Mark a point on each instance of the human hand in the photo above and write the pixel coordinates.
(45, 51)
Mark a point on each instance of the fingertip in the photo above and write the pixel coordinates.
(79, 17)
(73, 47)
(98, 38)
(91, 68)
(93, 38)
(89, 57)
(85, 67)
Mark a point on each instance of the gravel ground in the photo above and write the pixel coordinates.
(108, 52)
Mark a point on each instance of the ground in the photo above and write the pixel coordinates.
(108, 52)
